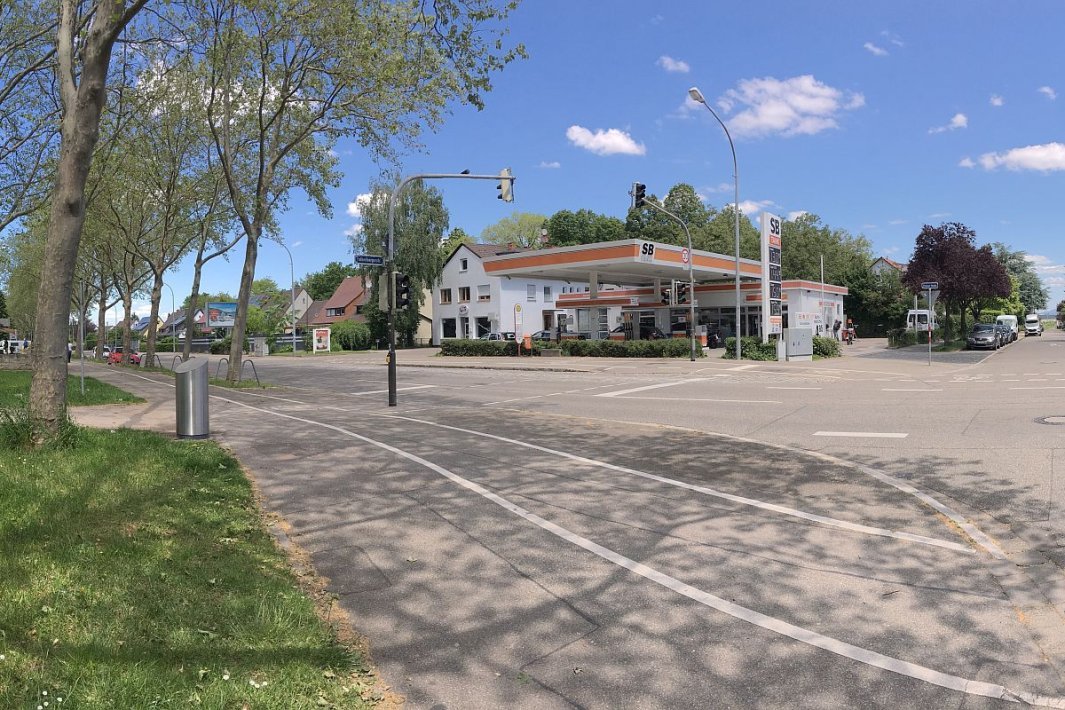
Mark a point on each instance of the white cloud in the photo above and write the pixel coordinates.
(896, 222)
(892, 250)
(1038, 260)
(893, 38)
(959, 120)
(673, 65)
(355, 208)
(794, 215)
(1048, 92)
(549, 164)
(966, 162)
(1044, 158)
(604, 142)
(875, 50)
(801, 105)
(753, 207)
(353, 231)
(997, 100)
(296, 244)
(939, 215)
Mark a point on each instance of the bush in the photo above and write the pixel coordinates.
(481, 348)
(577, 348)
(221, 347)
(752, 348)
(351, 335)
(902, 337)
(826, 347)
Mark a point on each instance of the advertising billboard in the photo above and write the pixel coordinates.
(321, 343)
(221, 314)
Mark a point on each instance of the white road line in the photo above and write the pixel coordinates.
(398, 389)
(741, 367)
(793, 388)
(764, 621)
(1044, 387)
(705, 399)
(908, 389)
(784, 510)
(649, 387)
(863, 434)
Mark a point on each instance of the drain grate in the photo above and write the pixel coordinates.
(1052, 419)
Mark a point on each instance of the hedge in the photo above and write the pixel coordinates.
(576, 348)
(221, 347)
(826, 347)
(902, 337)
(752, 348)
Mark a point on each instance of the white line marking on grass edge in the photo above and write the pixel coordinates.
(764, 621)
(864, 434)
(784, 510)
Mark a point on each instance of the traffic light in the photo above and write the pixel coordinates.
(402, 291)
(669, 295)
(505, 186)
(639, 194)
(683, 291)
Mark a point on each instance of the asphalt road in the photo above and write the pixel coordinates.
(867, 532)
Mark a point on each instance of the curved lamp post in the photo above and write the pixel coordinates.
(697, 96)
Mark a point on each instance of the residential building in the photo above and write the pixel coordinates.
(884, 264)
(346, 303)
(469, 303)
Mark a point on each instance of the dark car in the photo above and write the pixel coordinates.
(984, 335)
(1005, 333)
(647, 332)
(543, 335)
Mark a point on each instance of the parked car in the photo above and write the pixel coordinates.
(984, 335)
(543, 335)
(509, 335)
(1032, 324)
(1005, 334)
(647, 332)
(1011, 321)
(116, 358)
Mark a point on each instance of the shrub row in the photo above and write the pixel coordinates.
(221, 347)
(901, 337)
(826, 347)
(576, 348)
(752, 348)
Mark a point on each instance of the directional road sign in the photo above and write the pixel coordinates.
(929, 285)
(369, 260)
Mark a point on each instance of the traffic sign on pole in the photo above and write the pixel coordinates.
(369, 260)
(929, 285)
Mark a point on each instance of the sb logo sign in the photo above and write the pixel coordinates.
(647, 251)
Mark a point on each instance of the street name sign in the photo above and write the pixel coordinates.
(929, 285)
(369, 260)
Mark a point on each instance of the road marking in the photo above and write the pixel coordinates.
(741, 367)
(704, 399)
(909, 389)
(1044, 387)
(784, 510)
(737, 611)
(648, 387)
(863, 434)
(398, 389)
(770, 387)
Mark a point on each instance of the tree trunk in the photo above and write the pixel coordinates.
(157, 294)
(101, 320)
(236, 349)
(190, 312)
(80, 130)
(127, 332)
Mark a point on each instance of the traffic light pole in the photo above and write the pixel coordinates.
(505, 178)
(691, 273)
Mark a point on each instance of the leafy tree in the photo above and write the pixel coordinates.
(806, 239)
(421, 221)
(322, 284)
(1061, 311)
(454, 240)
(876, 302)
(83, 56)
(350, 335)
(264, 321)
(522, 229)
(284, 82)
(947, 254)
(1031, 291)
(3, 305)
(566, 228)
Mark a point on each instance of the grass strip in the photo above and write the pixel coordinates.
(15, 388)
(138, 573)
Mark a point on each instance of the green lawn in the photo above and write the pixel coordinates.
(137, 573)
(15, 384)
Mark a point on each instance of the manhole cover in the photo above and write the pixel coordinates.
(1052, 419)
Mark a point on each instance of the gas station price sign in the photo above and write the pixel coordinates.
(772, 306)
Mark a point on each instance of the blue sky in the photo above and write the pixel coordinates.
(878, 117)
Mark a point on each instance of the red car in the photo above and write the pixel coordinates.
(116, 358)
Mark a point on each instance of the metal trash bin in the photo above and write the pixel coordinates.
(192, 399)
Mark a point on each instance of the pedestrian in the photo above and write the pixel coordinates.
(835, 329)
(70, 352)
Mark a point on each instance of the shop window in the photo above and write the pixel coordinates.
(449, 327)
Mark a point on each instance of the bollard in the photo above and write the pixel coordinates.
(192, 399)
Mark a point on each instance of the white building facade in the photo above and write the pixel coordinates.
(469, 303)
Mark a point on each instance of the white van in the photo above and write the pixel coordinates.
(1011, 321)
(917, 319)
(1032, 324)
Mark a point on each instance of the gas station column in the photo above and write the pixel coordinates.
(593, 284)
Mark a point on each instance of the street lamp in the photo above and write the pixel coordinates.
(697, 96)
(173, 307)
(292, 286)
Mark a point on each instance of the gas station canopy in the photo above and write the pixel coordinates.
(628, 262)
